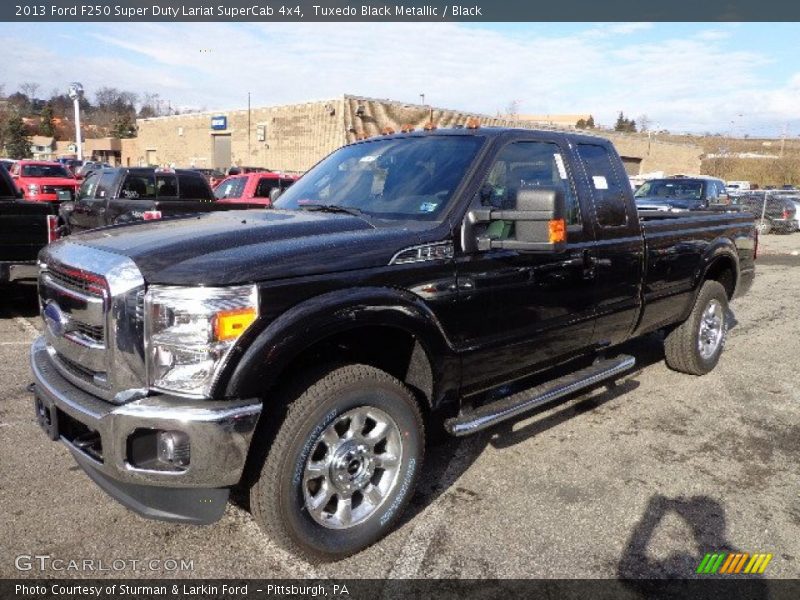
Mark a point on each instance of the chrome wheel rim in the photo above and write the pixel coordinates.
(712, 329)
(353, 468)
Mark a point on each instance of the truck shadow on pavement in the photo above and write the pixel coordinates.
(640, 572)
(19, 300)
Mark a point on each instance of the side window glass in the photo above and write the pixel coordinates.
(138, 186)
(104, 185)
(166, 186)
(607, 187)
(528, 165)
(711, 191)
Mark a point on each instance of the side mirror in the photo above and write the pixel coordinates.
(538, 220)
(274, 193)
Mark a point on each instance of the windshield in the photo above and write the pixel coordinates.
(45, 171)
(671, 190)
(397, 178)
(233, 187)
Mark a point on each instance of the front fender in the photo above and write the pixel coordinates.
(314, 320)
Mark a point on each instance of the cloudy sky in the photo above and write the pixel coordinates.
(727, 78)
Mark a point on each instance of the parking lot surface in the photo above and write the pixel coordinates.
(640, 480)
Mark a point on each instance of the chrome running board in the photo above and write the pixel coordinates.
(521, 402)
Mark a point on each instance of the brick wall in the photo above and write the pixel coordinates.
(299, 135)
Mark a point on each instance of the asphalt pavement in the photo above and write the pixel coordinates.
(640, 480)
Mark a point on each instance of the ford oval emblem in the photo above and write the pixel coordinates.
(55, 319)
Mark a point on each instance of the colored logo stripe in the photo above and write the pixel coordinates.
(734, 563)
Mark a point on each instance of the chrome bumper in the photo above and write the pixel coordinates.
(219, 431)
(20, 271)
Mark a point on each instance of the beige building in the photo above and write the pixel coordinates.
(294, 137)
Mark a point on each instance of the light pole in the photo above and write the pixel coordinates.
(75, 93)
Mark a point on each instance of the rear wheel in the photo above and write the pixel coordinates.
(343, 464)
(695, 346)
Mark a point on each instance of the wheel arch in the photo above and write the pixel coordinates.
(720, 263)
(390, 329)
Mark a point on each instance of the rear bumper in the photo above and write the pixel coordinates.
(12, 272)
(219, 436)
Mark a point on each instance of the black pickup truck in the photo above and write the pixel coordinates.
(112, 196)
(25, 228)
(302, 353)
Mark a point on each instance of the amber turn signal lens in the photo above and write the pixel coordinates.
(558, 231)
(230, 324)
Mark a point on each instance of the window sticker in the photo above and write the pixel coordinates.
(562, 171)
(600, 182)
(428, 207)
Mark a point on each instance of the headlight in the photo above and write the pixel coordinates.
(189, 332)
(33, 188)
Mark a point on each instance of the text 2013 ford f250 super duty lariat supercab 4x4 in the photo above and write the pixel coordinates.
(301, 353)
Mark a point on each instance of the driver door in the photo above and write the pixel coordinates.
(520, 311)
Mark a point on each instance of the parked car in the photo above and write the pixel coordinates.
(25, 228)
(675, 194)
(252, 188)
(42, 181)
(779, 211)
(73, 164)
(302, 353)
(214, 176)
(89, 167)
(734, 187)
(124, 195)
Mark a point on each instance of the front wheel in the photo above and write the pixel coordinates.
(343, 464)
(694, 347)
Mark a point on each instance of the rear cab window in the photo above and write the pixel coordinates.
(608, 188)
(193, 187)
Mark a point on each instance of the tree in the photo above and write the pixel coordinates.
(512, 109)
(590, 122)
(624, 124)
(581, 124)
(644, 122)
(18, 145)
(47, 127)
(30, 89)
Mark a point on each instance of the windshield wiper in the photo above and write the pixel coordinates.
(334, 208)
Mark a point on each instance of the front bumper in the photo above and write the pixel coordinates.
(219, 433)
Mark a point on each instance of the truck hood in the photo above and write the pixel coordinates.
(52, 181)
(226, 248)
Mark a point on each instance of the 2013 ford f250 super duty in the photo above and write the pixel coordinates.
(302, 352)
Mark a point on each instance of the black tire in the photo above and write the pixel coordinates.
(277, 498)
(682, 344)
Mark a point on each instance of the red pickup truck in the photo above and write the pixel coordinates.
(252, 188)
(42, 181)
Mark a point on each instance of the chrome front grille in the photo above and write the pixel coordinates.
(75, 279)
(93, 327)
